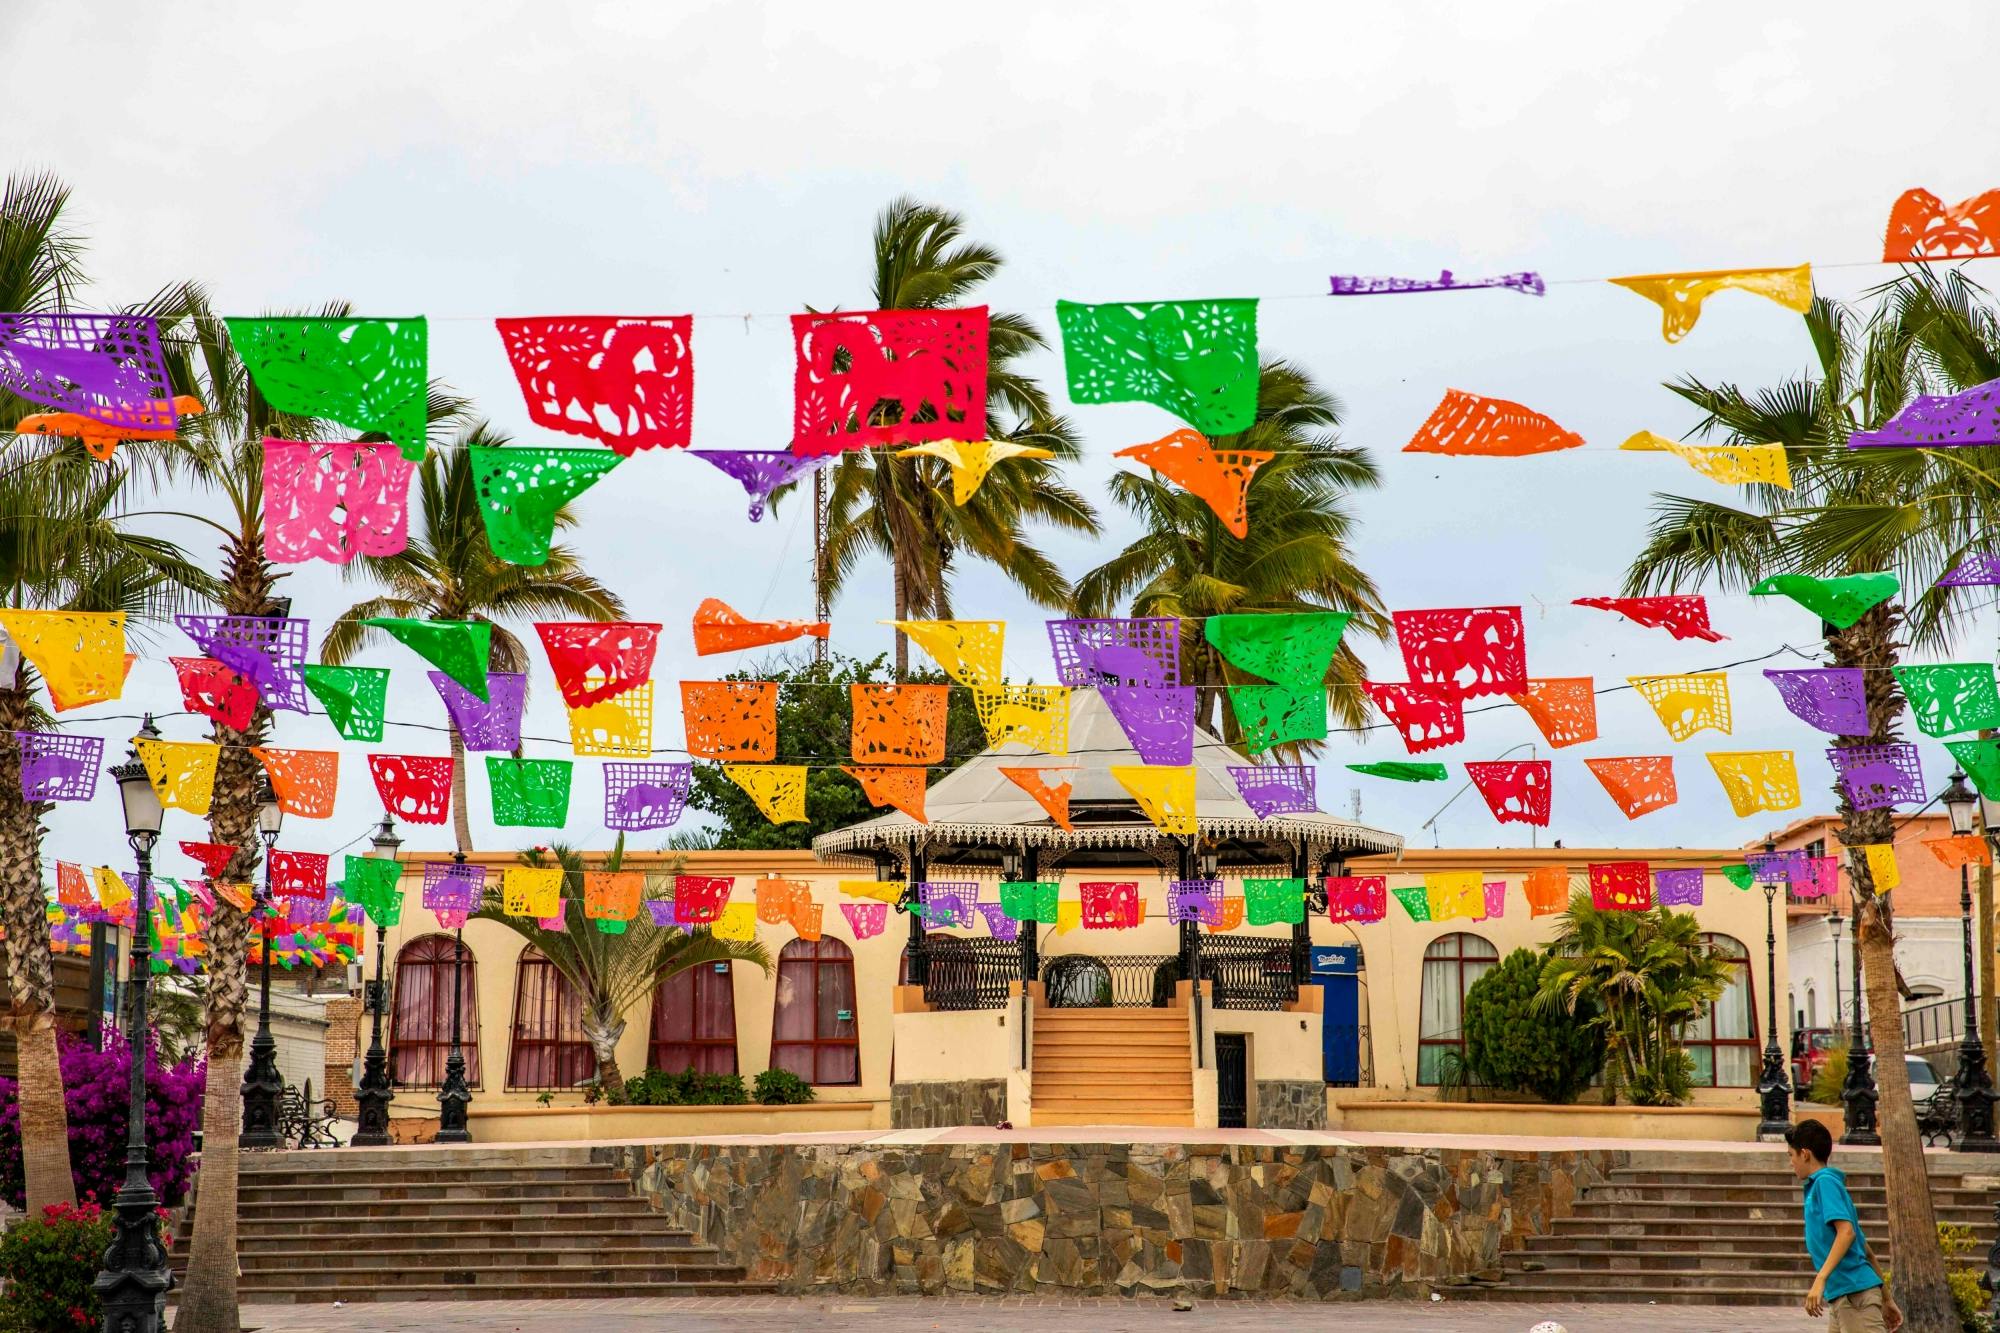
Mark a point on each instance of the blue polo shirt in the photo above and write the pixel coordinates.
(1827, 1202)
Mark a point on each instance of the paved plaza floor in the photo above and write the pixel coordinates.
(783, 1314)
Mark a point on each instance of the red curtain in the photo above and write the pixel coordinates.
(694, 1022)
(420, 1019)
(549, 1049)
(814, 1033)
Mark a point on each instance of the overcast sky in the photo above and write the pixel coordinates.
(727, 159)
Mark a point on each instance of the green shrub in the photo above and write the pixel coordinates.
(1829, 1079)
(1666, 1082)
(1960, 1274)
(687, 1088)
(48, 1264)
(781, 1087)
(1513, 1045)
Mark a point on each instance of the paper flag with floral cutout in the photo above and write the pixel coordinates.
(304, 781)
(531, 891)
(1496, 900)
(1197, 900)
(1274, 902)
(1883, 871)
(643, 796)
(968, 651)
(1979, 569)
(355, 698)
(1415, 900)
(1680, 295)
(1731, 464)
(1830, 699)
(778, 899)
(1110, 906)
(1687, 704)
(1051, 795)
(1196, 359)
(598, 660)
(529, 793)
(762, 472)
(1564, 708)
(1165, 794)
(865, 920)
(1621, 886)
(619, 727)
(1273, 715)
(737, 922)
(1838, 601)
(1469, 426)
(367, 374)
(1757, 779)
(1033, 715)
(1875, 777)
(59, 766)
(1275, 789)
(1678, 886)
(1031, 900)
(1952, 697)
(1425, 717)
(1219, 478)
(112, 892)
(1470, 651)
(890, 891)
(106, 368)
(625, 382)
(1639, 784)
(214, 857)
(334, 502)
(80, 654)
(182, 772)
(520, 490)
(1547, 890)
(1402, 770)
(730, 719)
(1517, 791)
(371, 883)
(1357, 898)
(972, 460)
(298, 874)
(1967, 850)
(1819, 879)
(898, 724)
(216, 692)
(1939, 421)
(1286, 649)
(778, 789)
(1739, 875)
(1981, 761)
(699, 899)
(1157, 720)
(888, 377)
(808, 918)
(459, 648)
(415, 787)
(267, 650)
(1455, 894)
(1142, 650)
(998, 924)
(160, 420)
(718, 628)
(901, 786)
(1923, 228)
(1685, 616)
(1228, 918)
(489, 724)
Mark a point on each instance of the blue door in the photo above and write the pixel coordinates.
(1336, 968)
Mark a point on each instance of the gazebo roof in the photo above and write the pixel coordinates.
(975, 807)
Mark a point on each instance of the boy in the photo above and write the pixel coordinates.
(1846, 1285)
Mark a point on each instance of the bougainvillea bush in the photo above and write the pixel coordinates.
(97, 1089)
(49, 1263)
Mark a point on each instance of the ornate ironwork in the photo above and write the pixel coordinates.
(305, 1123)
(1249, 972)
(456, 1095)
(969, 973)
(1121, 981)
(1857, 1094)
(263, 1083)
(376, 1090)
(1774, 1089)
(1972, 1085)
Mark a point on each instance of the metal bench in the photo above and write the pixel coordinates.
(303, 1122)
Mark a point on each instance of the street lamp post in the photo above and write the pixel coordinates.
(1833, 922)
(456, 1094)
(375, 1092)
(1857, 1094)
(263, 1082)
(132, 1288)
(1972, 1085)
(1774, 1090)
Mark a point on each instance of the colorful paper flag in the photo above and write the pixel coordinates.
(969, 651)
(1219, 478)
(719, 628)
(1564, 708)
(730, 719)
(1687, 704)
(1469, 426)
(1757, 779)
(1051, 796)
(367, 374)
(1164, 794)
(625, 382)
(870, 377)
(899, 786)
(971, 461)
(413, 787)
(520, 491)
(1838, 601)
(355, 698)
(334, 502)
(1680, 295)
(182, 772)
(1639, 784)
(529, 793)
(459, 648)
(1196, 359)
(1685, 616)
(1731, 464)
(80, 654)
(778, 789)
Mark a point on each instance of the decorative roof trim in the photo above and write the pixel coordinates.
(860, 836)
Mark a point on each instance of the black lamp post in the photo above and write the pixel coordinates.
(263, 1083)
(1972, 1085)
(1857, 1094)
(373, 1096)
(1833, 923)
(1774, 1090)
(132, 1288)
(456, 1094)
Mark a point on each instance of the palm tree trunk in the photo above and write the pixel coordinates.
(44, 1117)
(901, 587)
(461, 818)
(603, 1030)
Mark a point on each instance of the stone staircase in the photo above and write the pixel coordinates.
(1677, 1231)
(1112, 1067)
(472, 1223)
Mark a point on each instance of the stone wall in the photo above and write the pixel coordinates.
(1311, 1222)
(940, 1105)
(1291, 1103)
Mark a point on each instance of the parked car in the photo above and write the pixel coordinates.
(1810, 1049)
(1923, 1080)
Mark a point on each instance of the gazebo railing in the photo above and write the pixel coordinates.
(969, 973)
(1111, 981)
(1249, 973)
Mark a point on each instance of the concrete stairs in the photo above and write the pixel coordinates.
(1112, 1067)
(484, 1224)
(1689, 1233)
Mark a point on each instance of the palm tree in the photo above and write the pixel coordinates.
(63, 546)
(1910, 511)
(449, 572)
(901, 508)
(1296, 557)
(614, 974)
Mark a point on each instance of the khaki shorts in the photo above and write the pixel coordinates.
(1857, 1312)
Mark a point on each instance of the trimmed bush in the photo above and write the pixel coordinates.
(781, 1087)
(1512, 1046)
(687, 1088)
(48, 1264)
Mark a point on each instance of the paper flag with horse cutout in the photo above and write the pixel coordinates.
(413, 787)
(1687, 704)
(625, 382)
(888, 377)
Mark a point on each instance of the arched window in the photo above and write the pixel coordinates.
(1723, 1042)
(694, 1022)
(420, 1025)
(1451, 964)
(813, 1032)
(549, 1049)
(1812, 1007)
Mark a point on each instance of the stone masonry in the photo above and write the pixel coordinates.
(1290, 1104)
(947, 1105)
(343, 1017)
(1311, 1222)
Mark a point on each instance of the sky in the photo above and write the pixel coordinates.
(728, 160)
